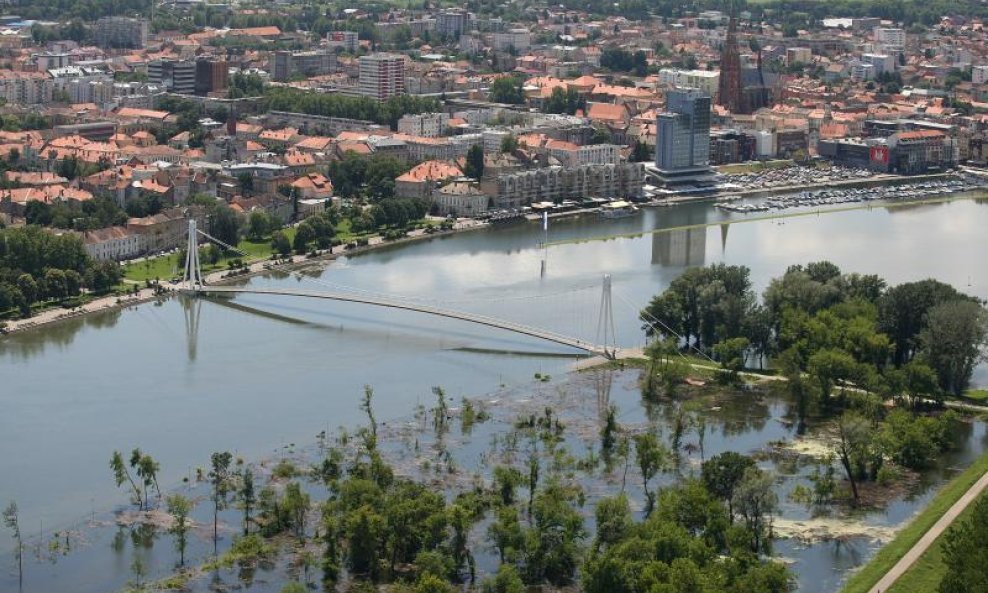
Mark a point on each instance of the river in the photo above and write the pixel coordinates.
(181, 380)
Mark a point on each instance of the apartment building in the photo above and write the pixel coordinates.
(25, 88)
(429, 125)
(382, 76)
(573, 155)
(118, 31)
(518, 40)
(348, 40)
(554, 184)
(287, 64)
(173, 75)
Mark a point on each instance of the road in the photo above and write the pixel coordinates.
(928, 539)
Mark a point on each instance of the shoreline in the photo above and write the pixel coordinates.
(255, 268)
(264, 266)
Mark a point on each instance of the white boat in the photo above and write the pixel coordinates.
(618, 209)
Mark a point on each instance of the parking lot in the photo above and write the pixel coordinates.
(795, 175)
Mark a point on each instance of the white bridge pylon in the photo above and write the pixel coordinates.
(195, 285)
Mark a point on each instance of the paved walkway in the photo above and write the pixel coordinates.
(904, 563)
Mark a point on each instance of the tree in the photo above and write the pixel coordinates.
(756, 500)
(506, 534)
(460, 521)
(506, 580)
(732, 354)
(365, 531)
(641, 153)
(280, 244)
(553, 543)
(219, 478)
(601, 135)
(702, 306)
(121, 475)
(246, 496)
(965, 551)
(296, 505)
(952, 341)
(721, 475)
(507, 89)
(179, 508)
(367, 407)
(829, 367)
(11, 521)
(475, 162)
(304, 234)
(902, 313)
(38, 213)
(652, 458)
(852, 443)
(259, 224)
(146, 468)
(506, 480)
(614, 520)
(225, 225)
(509, 144)
(101, 276)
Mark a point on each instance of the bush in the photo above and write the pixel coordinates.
(285, 469)
(886, 475)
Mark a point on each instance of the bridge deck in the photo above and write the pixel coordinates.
(420, 308)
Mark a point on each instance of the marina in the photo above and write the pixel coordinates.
(834, 197)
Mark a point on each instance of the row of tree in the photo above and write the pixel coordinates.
(92, 214)
(850, 327)
(37, 266)
(382, 112)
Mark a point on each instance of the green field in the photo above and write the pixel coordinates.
(980, 395)
(166, 267)
(925, 575)
(865, 578)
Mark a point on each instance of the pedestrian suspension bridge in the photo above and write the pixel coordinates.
(605, 344)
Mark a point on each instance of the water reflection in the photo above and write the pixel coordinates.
(191, 307)
(680, 248)
(29, 344)
(603, 379)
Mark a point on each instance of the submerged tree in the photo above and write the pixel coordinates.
(11, 521)
(756, 501)
(367, 406)
(219, 477)
(179, 508)
(146, 469)
(652, 458)
(121, 475)
(246, 496)
(721, 475)
(852, 441)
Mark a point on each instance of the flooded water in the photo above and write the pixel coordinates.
(261, 373)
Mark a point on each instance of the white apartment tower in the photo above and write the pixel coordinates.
(889, 38)
(382, 76)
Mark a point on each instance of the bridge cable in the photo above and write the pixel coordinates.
(667, 329)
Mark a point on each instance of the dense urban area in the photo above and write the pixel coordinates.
(284, 134)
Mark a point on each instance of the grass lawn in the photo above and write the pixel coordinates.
(924, 576)
(980, 395)
(166, 267)
(865, 578)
